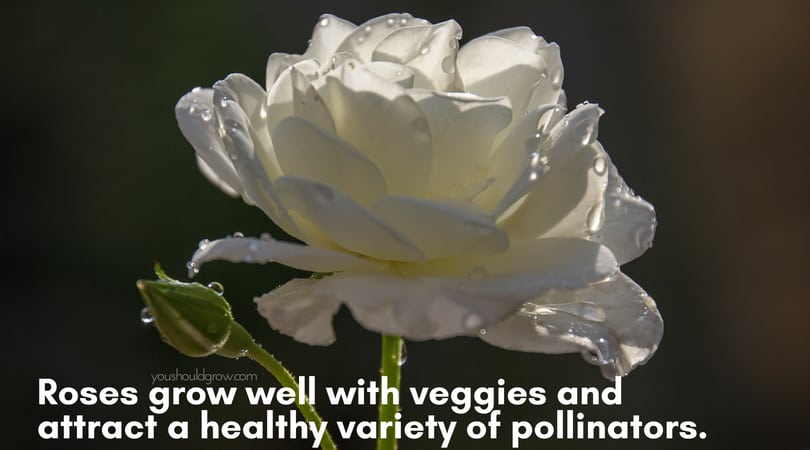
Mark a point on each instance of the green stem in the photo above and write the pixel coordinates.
(269, 362)
(389, 367)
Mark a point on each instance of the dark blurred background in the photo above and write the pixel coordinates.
(706, 118)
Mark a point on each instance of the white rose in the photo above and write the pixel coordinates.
(445, 190)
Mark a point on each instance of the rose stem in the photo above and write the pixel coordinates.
(285, 378)
(390, 368)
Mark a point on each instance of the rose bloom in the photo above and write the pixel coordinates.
(438, 191)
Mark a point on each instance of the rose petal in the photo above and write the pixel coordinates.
(277, 63)
(629, 220)
(441, 230)
(397, 73)
(344, 221)
(299, 256)
(492, 66)
(215, 179)
(364, 39)
(463, 127)
(614, 323)
(329, 32)
(195, 116)
(378, 118)
(304, 149)
(291, 309)
(526, 269)
(430, 51)
(237, 137)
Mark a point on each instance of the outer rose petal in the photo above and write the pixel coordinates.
(629, 220)
(365, 38)
(293, 310)
(614, 323)
(304, 257)
(329, 32)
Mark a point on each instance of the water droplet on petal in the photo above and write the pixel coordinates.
(192, 269)
(449, 64)
(403, 21)
(196, 89)
(146, 316)
(596, 218)
(265, 237)
(238, 235)
(367, 29)
(482, 332)
(203, 244)
(206, 115)
(424, 50)
(403, 355)
(324, 22)
(390, 22)
(600, 165)
(361, 39)
(216, 287)
(223, 102)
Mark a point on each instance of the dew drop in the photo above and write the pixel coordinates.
(367, 29)
(146, 316)
(223, 102)
(600, 165)
(206, 115)
(596, 218)
(403, 21)
(361, 39)
(238, 235)
(203, 244)
(216, 287)
(265, 237)
(193, 108)
(482, 332)
(424, 50)
(196, 89)
(449, 64)
(390, 22)
(403, 355)
(192, 269)
(324, 22)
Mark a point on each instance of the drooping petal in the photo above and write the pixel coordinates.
(264, 250)
(195, 116)
(378, 118)
(251, 98)
(430, 51)
(215, 179)
(629, 225)
(463, 127)
(344, 221)
(614, 323)
(292, 309)
(236, 132)
(441, 230)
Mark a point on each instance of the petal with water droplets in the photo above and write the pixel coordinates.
(299, 256)
(629, 220)
(624, 334)
(195, 116)
(364, 39)
(329, 32)
(378, 118)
